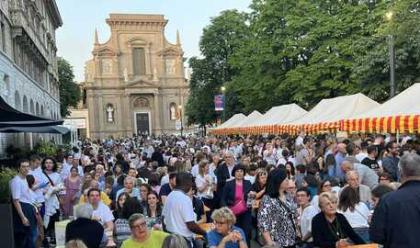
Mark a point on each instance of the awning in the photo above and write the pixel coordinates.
(46, 129)
(328, 113)
(399, 114)
(10, 117)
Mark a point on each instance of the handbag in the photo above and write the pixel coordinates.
(239, 208)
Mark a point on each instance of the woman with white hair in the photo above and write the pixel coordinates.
(331, 229)
(225, 234)
(84, 228)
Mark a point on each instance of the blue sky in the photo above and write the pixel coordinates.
(81, 17)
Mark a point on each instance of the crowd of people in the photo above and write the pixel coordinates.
(275, 191)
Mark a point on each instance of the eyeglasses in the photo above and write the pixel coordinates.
(220, 222)
(139, 226)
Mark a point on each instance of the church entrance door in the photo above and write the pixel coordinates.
(142, 123)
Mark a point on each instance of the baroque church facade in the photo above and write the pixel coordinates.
(135, 82)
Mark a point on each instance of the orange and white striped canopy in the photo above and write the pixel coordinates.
(389, 124)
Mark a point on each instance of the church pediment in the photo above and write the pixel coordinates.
(136, 41)
(104, 51)
(170, 51)
(141, 84)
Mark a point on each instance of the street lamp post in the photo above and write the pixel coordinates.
(389, 15)
(180, 118)
(223, 89)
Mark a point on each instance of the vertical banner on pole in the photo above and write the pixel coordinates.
(219, 102)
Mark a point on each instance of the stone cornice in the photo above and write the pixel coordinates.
(104, 51)
(171, 52)
(54, 12)
(136, 21)
(124, 87)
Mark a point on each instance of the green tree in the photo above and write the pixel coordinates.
(371, 69)
(225, 34)
(305, 51)
(199, 108)
(69, 91)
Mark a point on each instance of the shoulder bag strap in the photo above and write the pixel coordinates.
(49, 178)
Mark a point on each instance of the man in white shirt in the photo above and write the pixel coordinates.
(41, 181)
(70, 162)
(299, 139)
(178, 212)
(102, 214)
(24, 217)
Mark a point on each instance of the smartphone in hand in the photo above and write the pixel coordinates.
(43, 185)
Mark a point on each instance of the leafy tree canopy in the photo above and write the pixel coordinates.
(287, 51)
(69, 91)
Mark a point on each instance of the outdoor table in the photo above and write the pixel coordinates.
(364, 246)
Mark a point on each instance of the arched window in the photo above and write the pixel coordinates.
(172, 111)
(18, 104)
(31, 107)
(37, 108)
(42, 110)
(6, 80)
(25, 104)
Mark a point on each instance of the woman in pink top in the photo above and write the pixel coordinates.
(235, 196)
(73, 185)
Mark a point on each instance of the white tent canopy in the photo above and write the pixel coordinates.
(336, 109)
(234, 119)
(244, 122)
(405, 103)
(280, 115)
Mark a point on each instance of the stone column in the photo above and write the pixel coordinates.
(156, 114)
(127, 115)
(93, 120)
(148, 59)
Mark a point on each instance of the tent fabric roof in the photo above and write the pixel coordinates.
(244, 122)
(235, 118)
(336, 109)
(10, 117)
(405, 103)
(280, 115)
